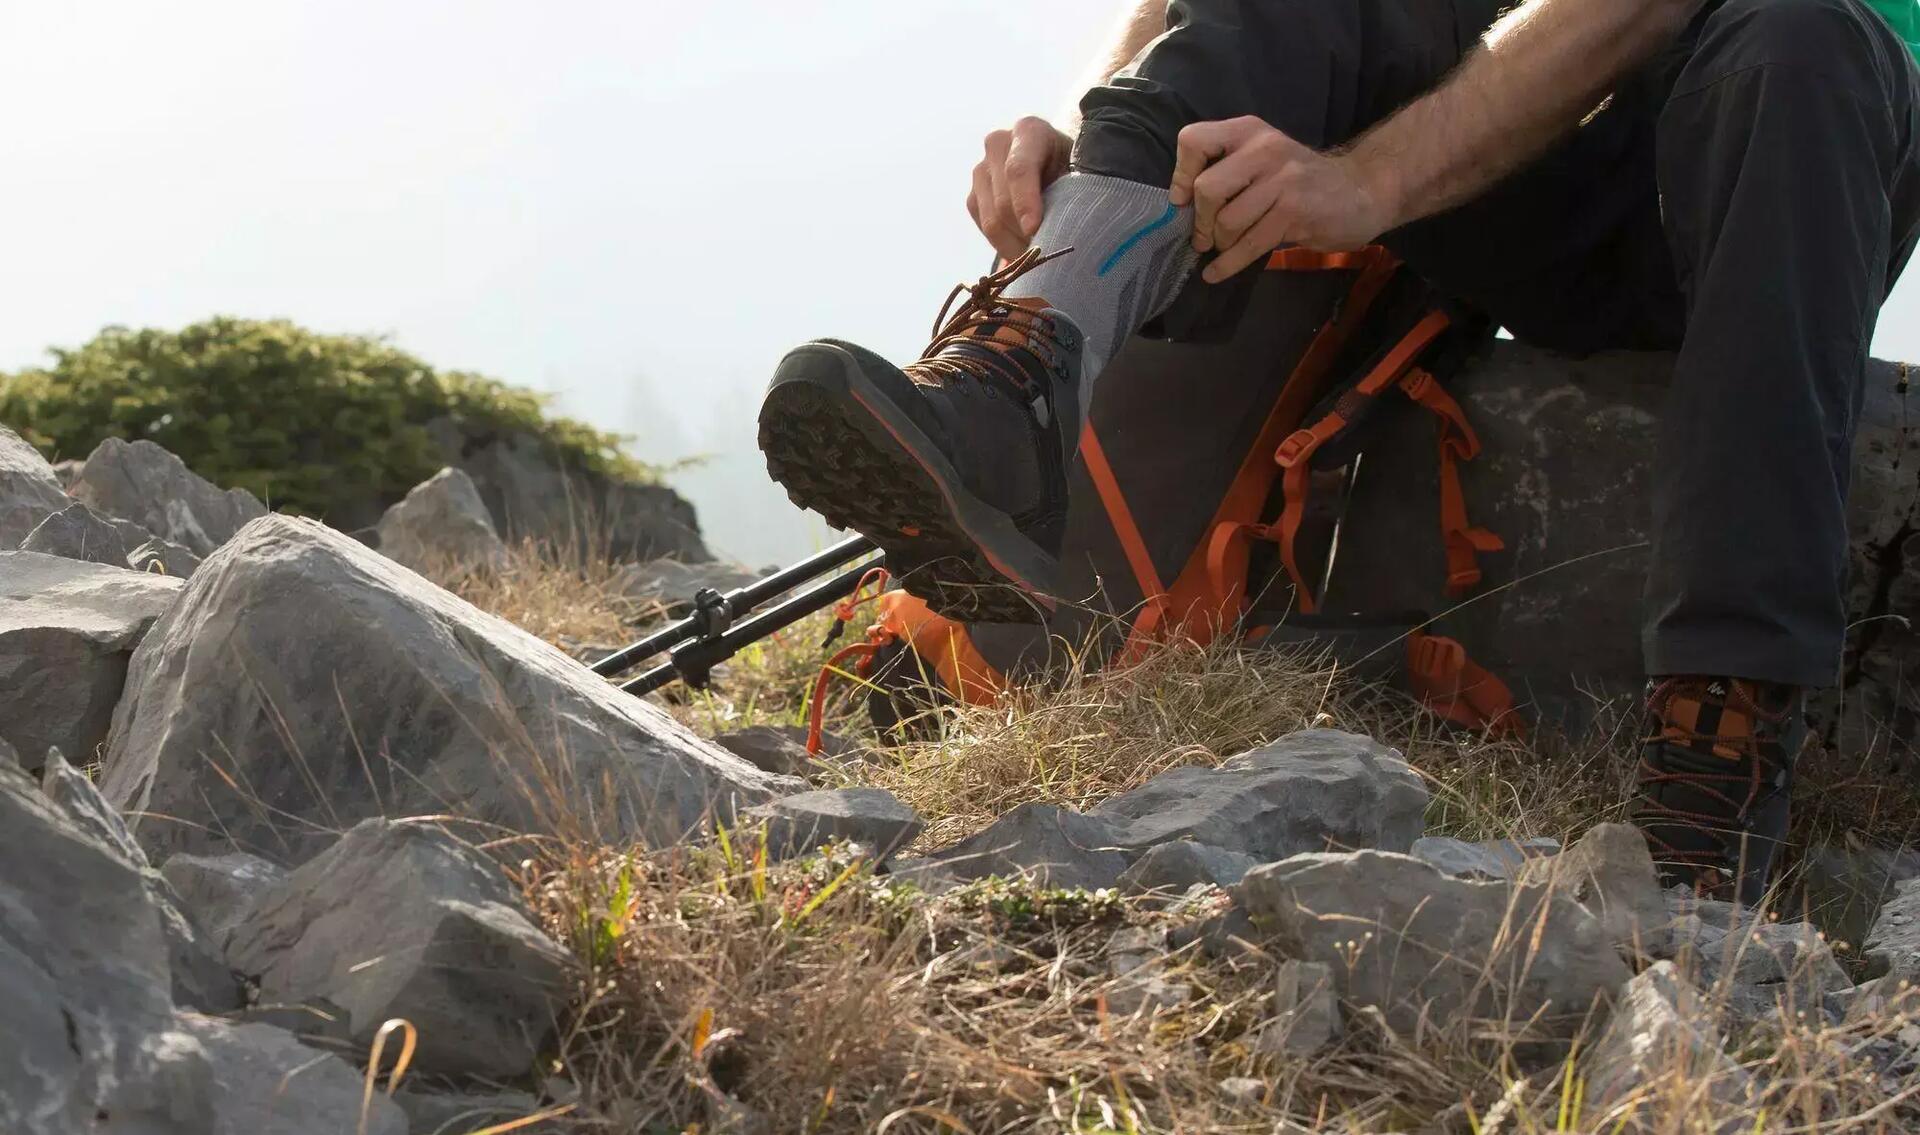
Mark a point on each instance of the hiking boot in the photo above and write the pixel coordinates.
(1716, 771)
(956, 464)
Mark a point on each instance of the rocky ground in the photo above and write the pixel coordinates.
(295, 839)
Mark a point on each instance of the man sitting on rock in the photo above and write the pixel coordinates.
(1734, 179)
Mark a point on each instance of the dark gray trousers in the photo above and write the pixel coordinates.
(1746, 198)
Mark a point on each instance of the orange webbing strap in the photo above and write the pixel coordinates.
(1299, 259)
(1295, 454)
(1458, 442)
(1212, 585)
(943, 644)
(1452, 686)
(843, 611)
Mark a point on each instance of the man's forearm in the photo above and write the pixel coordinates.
(1540, 70)
(1138, 28)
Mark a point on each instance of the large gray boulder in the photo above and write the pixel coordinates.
(442, 525)
(1610, 872)
(253, 1079)
(305, 682)
(1569, 454)
(533, 497)
(83, 967)
(1171, 868)
(199, 977)
(29, 491)
(78, 533)
(163, 557)
(1430, 950)
(1314, 790)
(67, 631)
(142, 482)
(1487, 859)
(398, 919)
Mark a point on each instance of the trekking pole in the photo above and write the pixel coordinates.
(712, 620)
(694, 662)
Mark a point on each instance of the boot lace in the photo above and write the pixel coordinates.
(1750, 779)
(965, 343)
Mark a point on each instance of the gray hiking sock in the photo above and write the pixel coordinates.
(1131, 252)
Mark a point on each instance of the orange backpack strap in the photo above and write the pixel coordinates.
(1452, 686)
(1295, 455)
(1458, 442)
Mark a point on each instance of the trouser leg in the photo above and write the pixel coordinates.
(1786, 169)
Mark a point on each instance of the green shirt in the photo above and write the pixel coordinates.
(1904, 16)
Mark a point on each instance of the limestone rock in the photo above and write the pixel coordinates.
(1893, 943)
(1656, 1050)
(1610, 872)
(145, 484)
(333, 685)
(400, 920)
(1055, 846)
(200, 978)
(1490, 859)
(215, 890)
(163, 557)
(872, 817)
(1174, 867)
(1844, 885)
(67, 631)
(1754, 966)
(1305, 1014)
(530, 497)
(254, 1079)
(83, 967)
(78, 533)
(29, 491)
(778, 749)
(1400, 935)
(1314, 790)
(442, 525)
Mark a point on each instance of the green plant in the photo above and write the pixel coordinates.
(312, 423)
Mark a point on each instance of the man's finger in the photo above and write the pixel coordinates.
(1217, 185)
(1244, 211)
(1199, 144)
(1027, 157)
(1265, 236)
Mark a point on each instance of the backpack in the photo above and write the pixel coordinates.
(1206, 498)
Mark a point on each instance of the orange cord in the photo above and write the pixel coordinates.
(877, 637)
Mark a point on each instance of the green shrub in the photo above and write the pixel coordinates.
(311, 423)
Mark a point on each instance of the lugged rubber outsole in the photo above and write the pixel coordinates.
(835, 454)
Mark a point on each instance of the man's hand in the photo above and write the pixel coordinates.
(1005, 201)
(1254, 189)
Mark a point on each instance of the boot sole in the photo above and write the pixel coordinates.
(843, 449)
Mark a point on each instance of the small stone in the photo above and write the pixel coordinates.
(1656, 1034)
(871, 817)
(1174, 867)
(1491, 859)
(1053, 846)
(1140, 993)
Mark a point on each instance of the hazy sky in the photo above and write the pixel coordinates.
(639, 206)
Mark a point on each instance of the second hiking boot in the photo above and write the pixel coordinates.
(1716, 774)
(954, 464)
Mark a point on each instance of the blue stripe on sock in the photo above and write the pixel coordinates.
(1166, 219)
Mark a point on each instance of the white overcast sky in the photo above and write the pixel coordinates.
(638, 206)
